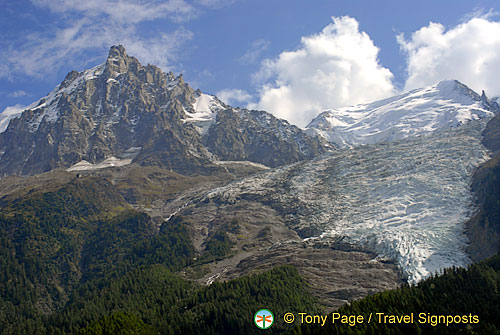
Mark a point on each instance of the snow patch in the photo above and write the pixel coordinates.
(109, 162)
(9, 113)
(204, 112)
(130, 153)
(261, 166)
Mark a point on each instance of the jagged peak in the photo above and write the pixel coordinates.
(119, 62)
(170, 76)
(117, 51)
(180, 79)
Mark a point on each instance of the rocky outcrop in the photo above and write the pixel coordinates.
(260, 137)
(491, 134)
(483, 228)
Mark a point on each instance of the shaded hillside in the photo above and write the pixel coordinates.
(484, 227)
(492, 134)
(472, 294)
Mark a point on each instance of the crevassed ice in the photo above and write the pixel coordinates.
(406, 201)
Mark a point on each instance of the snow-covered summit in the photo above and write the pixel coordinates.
(445, 105)
(46, 107)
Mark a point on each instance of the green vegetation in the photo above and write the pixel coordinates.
(118, 323)
(78, 260)
(458, 291)
(228, 308)
(216, 247)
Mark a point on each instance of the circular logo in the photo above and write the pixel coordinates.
(263, 319)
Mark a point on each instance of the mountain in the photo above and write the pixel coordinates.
(445, 105)
(406, 198)
(124, 111)
(204, 194)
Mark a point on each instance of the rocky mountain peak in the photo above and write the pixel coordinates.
(121, 106)
(70, 77)
(118, 61)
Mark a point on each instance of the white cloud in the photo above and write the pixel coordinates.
(160, 50)
(18, 94)
(468, 52)
(234, 97)
(96, 25)
(253, 54)
(215, 3)
(337, 67)
(124, 11)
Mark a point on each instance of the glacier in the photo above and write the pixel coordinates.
(407, 201)
(399, 183)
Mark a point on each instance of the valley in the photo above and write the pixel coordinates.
(126, 182)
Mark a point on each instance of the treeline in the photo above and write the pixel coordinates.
(474, 291)
(173, 306)
(79, 260)
(57, 247)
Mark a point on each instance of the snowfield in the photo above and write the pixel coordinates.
(445, 105)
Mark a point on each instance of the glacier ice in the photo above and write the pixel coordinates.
(406, 200)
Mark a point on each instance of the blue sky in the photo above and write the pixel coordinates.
(290, 57)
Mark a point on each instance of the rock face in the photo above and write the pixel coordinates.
(491, 135)
(121, 106)
(483, 228)
(259, 137)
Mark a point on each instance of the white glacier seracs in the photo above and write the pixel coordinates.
(406, 201)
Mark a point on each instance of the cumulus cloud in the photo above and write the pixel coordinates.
(337, 67)
(96, 25)
(234, 96)
(468, 52)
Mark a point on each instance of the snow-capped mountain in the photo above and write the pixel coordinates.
(442, 106)
(102, 113)
(387, 189)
